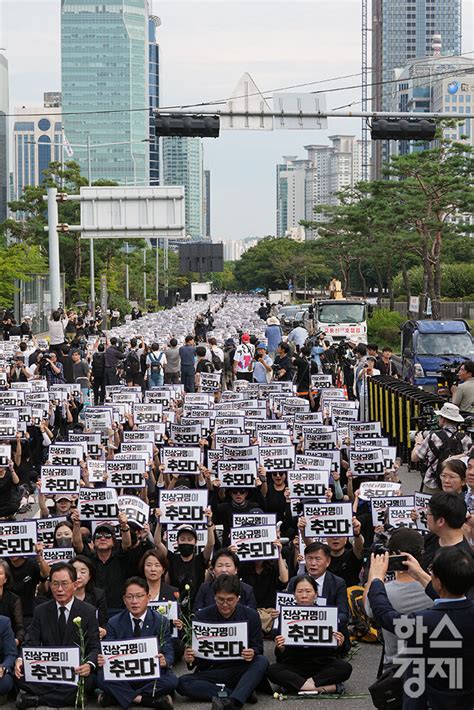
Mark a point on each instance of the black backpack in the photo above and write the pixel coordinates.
(451, 446)
(155, 364)
(132, 363)
(216, 361)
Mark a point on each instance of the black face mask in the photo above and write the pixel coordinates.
(185, 549)
(64, 542)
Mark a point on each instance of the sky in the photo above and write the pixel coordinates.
(206, 47)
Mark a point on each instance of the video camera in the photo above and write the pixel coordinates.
(425, 423)
(448, 375)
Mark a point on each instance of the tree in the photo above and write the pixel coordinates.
(17, 261)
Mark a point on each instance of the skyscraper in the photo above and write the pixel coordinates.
(154, 96)
(37, 137)
(105, 80)
(403, 30)
(4, 170)
(183, 165)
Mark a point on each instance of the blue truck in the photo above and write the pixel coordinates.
(430, 345)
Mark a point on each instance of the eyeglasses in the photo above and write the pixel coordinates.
(132, 597)
(446, 477)
(56, 584)
(104, 535)
(224, 602)
(276, 473)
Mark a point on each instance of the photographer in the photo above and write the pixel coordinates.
(50, 368)
(262, 369)
(463, 394)
(18, 371)
(283, 367)
(439, 445)
(57, 325)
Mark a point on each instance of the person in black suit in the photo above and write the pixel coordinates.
(332, 590)
(8, 656)
(439, 642)
(146, 623)
(241, 677)
(52, 625)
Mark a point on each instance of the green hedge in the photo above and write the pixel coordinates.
(384, 328)
(457, 281)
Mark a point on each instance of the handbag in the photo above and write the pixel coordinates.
(387, 691)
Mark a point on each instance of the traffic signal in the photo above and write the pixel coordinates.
(187, 125)
(403, 129)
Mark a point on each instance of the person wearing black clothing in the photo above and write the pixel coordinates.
(282, 365)
(224, 562)
(26, 575)
(346, 559)
(302, 365)
(10, 603)
(186, 354)
(447, 514)
(263, 312)
(98, 374)
(113, 357)
(200, 329)
(86, 590)
(240, 677)
(239, 502)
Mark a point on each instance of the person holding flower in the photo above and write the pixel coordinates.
(136, 621)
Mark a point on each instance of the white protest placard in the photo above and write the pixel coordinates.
(375, 442)
(277, 458)
(45, 528)
(169, 610)
(60, 479)
(380, 506)
(311, 483)
(238, 453)
(126, 474)
(181, 506)
(378, 489)
(100, 419)
(235, 421)
(389, 453)
(138, 436)
(216, 642)
(237, 474)
(209, 381)
(308, 625)
(135, 509)
(187, 434)
(320, 440)
(181, 460)
(5, 454)
(274, 438)
(319, 382)
(248, 520)
(65, 454)
(98, 503)
(96, 471)
(8, 427)
(51, 555)
(255, 543)
(366, 463)
(422, 504)
(51, 665)
(222, 439)
(91, 440)
(138, 447)
(135, 659)
(312, 459)
(364, 430)
(172, 537)
(213, 458)
(147, 413)
(18, 539)
(328, 519)
(401, 517)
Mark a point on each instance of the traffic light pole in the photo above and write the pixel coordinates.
(320, 114)
(53, 242)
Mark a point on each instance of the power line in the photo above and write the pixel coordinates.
(263, 93)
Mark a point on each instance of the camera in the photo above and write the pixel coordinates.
(448, 374)
(425, 423)
(396, 563)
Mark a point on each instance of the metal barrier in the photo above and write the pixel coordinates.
(394, 404)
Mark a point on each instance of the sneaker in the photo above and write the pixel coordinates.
(106, 700)
(26, 700)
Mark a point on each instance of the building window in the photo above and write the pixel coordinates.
(44, 124)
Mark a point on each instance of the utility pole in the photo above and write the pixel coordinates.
(91, 241)
(157, 272)
(53, 241)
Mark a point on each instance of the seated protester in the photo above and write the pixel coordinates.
(141, 543)
(137, 621)
(277, 502)
(239, 678)
(10, 497)
(447, 513)
(8, 656)
(52, 625)
(308, 669)
(346, 558)
(406, 595)
(186, 567)
(331, 590)
(110, 561)
(153, 569)
(62, 505)
(10, 603)
(62, 535)
(451, 617)
(27, 573)
(266, 577)
(239, 500)
(453, 477)
(225, 561)
(86, 591)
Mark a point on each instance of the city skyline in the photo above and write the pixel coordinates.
(208, 65)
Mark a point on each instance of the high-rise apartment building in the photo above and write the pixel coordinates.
(403, 30)
(4, 110)
(105, 86)
(206, 203)
(37, 140)
(183, 165)
(303, 184)
(154, 96)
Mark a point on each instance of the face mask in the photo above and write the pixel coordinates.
(64, 542)
(185, 549)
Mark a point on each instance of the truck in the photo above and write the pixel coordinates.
(342, 318)
(429, 346)
(283, 296)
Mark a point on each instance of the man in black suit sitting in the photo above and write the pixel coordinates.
(52, 625)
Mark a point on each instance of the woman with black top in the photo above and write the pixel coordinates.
(10, 603)
(9, 495)
(309, 669)
(87, 592)
(302, 363)
(153, 569)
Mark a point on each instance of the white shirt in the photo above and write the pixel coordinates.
(142, 620)
(67, 608)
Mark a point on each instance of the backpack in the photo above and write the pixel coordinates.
(155, 364)
(451, 446)
(132, 363)
(360, 624)
(216, 361)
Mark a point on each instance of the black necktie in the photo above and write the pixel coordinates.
(62, 623)
(137, 632)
